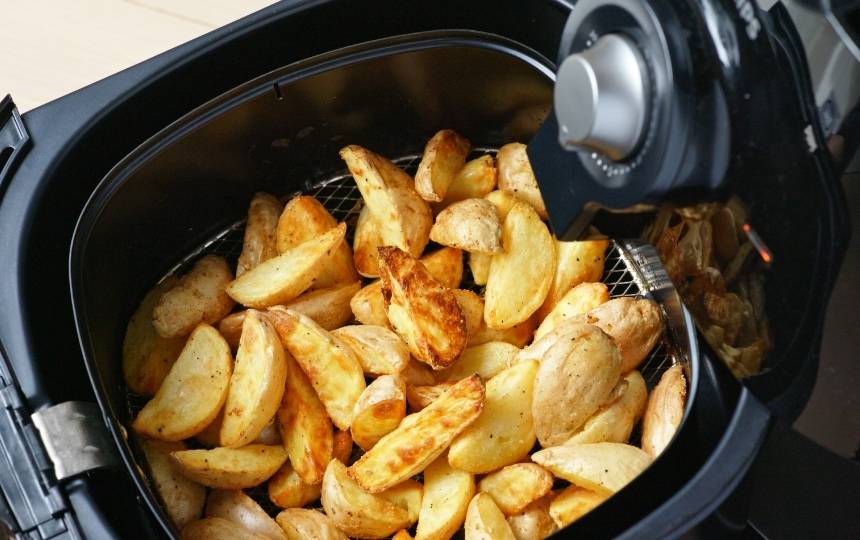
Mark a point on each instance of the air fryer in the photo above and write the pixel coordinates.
(264, 104)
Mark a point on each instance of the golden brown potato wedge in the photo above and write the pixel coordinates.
(357, 512)
(407, 495)
(445, 265)
(419, 397)
(146, 356)
(486, 360)
(519, 335)
(364, 245)
(420, 438)
(516, 486)
(504, 432)
(379, 350)
(216, 529)
(484, 520)
(447, 493)
(288, 490)
(368, 305)
(516, 176)
(576, 262)
(198, 297)
(573, 503)
(503, 201)
(193, 391)
(423, 312)
(472, 225)
(519, 278)
(329, 308)
(479, 264)
(575, 378)
(402, 534)
(330, 365)
(614, 421)
(378, 411)
(578, 301)
(259, 243)
(183, 499)
(472, 307)
(235, 506)
(257, 382)
(534, 522)
(342, 446)
(231, 468)
(444, 157)
(211, 436)
(600, 467)
(664, 411)
(305, 524)
(635, 324)
(305, 218)
(475, 179)
(418, 374)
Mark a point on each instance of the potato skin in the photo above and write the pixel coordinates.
(365, 243)
(664, 411)
(614, 421)
(259, 243)
(635, 324)
(471, 225)
(577, 302)
(517, 177)
(444, 157)
(235, 506)
(198, 297)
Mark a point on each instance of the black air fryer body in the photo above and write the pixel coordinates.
(63, 150)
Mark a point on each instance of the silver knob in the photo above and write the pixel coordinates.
(601, 98)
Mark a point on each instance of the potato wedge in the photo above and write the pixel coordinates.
(235, 506)
(287, 489)
(342, 446)
(231, 468)
(305, 218)
(210, 437)
(183, 499)
(445, 265)
(484, 520)
(420, 438)
(329, 308)
(487, 360)
(504, 432)
(368, 305)
(447, 493)
(257, 382)
(419, 397)
(402, 217)
(198, 297)
(635, 324)
(575, 378)
(516, 176)
(367, 240)
(603, 467)
(282, 278)
(516, 486)
(503, 201)
(193, 391)
(472, 225)
(614, 422)
(519, 335)
(304, 524)
(304, 425)
(534, 522)
(576, 262)
(475, 179)
(146, 356)
(664, 411)
(423, 312)
(519, 278)
(444, 157)
(379, 350)
(407, 495)
(418, 374)
(259, 243)
(472, 307)
(330, 365)
(216, 529)
(378, 411)
(578, 301)
(573, 503)
(479, 264)
(402, 534)
(357, 512)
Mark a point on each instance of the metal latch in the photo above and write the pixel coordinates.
(75, 438)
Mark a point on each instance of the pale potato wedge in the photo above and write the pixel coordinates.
(257, 382)
(402, 534)
(269, 434)
(503, 201)
(576, 377)
(479, 264)
(419, 397)
(423, 312)
(183, 499)
(517, 177)
(307, 524)
(635, 324)
(487, 360)
(407, 495)
(516, 486)
(235, 506)
(378, 411)
(444, 157)
(368, 305)
(342, 446)
(357, 512)
(603, 467)
(364, 245)
(304, 425)
(305, 218)
(578, 301)
(193, 391)
(519, 278)
(259, 242)
(379, 350)
(471, 225)
(576, 262)
(230, 327)
(216, 529)
(475, 179)
(287, 489)
(282, 278)
(472, 307)
(210, 437)
(198, 297)
(445, 265)
(447, 493)
(402, 217)
(614, 422)
(534, 522)
(573, 503)
(504, 432)
(420, 438)
(418, 374)
(146, 356)
(519, 335)
(330, 365)
(231, 468)
(664, 411)
(484, 520)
